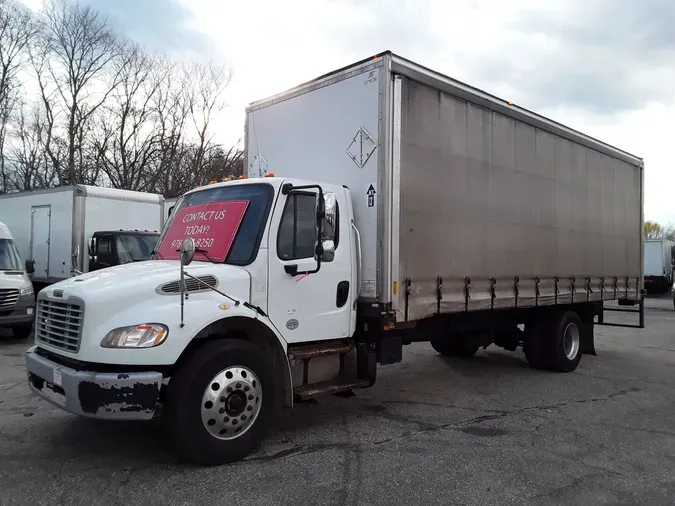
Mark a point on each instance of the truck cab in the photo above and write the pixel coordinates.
(207, 331)
(108, 248)
(17, 300)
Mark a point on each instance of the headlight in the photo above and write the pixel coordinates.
(145, 335)
(27, 290)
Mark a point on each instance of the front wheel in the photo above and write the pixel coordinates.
(221, 403)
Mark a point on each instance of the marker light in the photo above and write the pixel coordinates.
(270, 174)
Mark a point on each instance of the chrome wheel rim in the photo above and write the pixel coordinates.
(231, 402)
(571, 341)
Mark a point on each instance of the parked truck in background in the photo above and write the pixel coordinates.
(17, 300)
(74, 229)
(658, 265)
(386, 204)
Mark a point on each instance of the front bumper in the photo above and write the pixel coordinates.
(21, 314)
(114, 396)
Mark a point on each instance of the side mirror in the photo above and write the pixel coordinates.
(187, 251)
(326, 246)
(30, 266)
(330, 215)
(328, 253)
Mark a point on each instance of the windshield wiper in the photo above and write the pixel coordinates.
(204, 252)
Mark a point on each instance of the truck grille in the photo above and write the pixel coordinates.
(8, 297)
(59, 324)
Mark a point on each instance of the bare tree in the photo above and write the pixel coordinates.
(30, 168)
(129, 137)
(171, 176)
(73, 66)
(220, 164)
(17, 30)
(208, 84)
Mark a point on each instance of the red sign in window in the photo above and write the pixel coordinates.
(212, 226)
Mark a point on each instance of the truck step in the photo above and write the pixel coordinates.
(318, 350)
(306, 392)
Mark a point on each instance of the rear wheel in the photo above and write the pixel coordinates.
(555, 344)
(222, 402)
(460, 345)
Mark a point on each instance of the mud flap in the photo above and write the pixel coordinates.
(588, 339)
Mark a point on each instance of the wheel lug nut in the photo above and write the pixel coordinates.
(250, 397)
(247, 388)
(243, 417)
(234, 422)
(222, 398)
(229, 390)
(249, 408)
(226, 419)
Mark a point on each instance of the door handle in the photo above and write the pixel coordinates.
(291, 269)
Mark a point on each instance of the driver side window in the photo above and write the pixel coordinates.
(106, 253)
(297, 231)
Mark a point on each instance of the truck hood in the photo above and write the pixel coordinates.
(143, 280)
(14, 279)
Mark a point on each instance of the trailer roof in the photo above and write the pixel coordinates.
(93, 191)
(414, 71)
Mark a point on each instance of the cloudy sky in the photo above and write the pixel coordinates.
(605, 67)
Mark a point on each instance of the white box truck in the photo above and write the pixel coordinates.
(658, 268)
(17, 299)
(73, 229)
(396, 205)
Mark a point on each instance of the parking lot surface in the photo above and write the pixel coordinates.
(433, 430)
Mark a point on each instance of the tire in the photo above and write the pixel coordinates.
(562, 341)
(197, 426)
(22, 332)
(459, 346)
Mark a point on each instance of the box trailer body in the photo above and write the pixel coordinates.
(385, 204)
(464, 201)
(658, 265)
(53, 227)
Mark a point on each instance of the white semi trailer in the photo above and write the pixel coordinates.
(386, 204)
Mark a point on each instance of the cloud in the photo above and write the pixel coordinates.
(160, 25)
(604, 56)
(604, 67)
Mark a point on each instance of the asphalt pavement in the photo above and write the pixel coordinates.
(432, 431)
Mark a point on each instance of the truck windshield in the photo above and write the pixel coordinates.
(246, 204)
(135, 248)
(10, 260)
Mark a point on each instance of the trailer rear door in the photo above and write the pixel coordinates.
(40, 235)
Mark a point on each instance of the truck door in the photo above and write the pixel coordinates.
(308, 307)
(40, 238)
